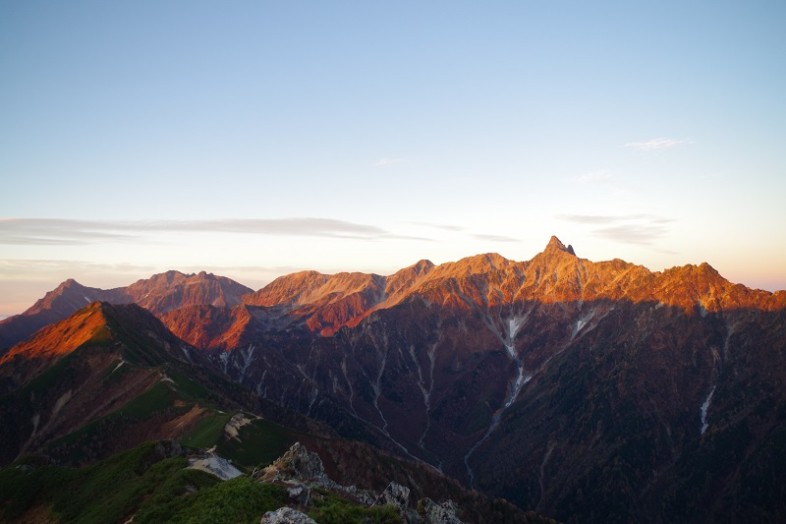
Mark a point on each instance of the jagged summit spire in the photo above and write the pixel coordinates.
(555, 244)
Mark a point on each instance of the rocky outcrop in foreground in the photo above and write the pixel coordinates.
(303, 474)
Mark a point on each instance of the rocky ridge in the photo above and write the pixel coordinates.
(303, 474)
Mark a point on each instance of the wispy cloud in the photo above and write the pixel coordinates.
(46, 231)
(463, 231)
(643, 229)
(446, 227)
(37, 269)
(657, 144)
(495, 238)
(388, 162)
(643, 234)
(53, 231)
(107, 275)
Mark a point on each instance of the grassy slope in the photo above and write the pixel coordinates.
(143, 484)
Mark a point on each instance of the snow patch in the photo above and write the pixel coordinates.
(224, 358)
(513, 393)
(118, 365)
(704, 408)
(248, 357)
(514, 325)
(583, 321)
(514, 387)
(185, 351)
(521, 379)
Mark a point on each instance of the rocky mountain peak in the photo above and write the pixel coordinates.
(167, 291)
(69, 294)
(66, 284)
(422, 266)
(556, 245)
(474, 265)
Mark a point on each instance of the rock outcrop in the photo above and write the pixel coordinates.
(215, 465)
(302, 471)
(433, 513)
(286, 515)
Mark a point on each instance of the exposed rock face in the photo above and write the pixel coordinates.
(444, 513)
(297, 463)
(300, 494)
(397, 496)
(215, 465)
(232, 428)
(394, 494)
(172, 290)
(205, 326)
(286, 515)
(302, 470)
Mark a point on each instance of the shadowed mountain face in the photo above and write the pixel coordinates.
(80, 374)
(580, 410)
(588, 391)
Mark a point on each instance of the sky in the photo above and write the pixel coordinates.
(255, 138)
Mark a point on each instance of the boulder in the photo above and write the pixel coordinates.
(286, 515)
(396, 495)
(444, 513)
(299, 493)
(297, 463)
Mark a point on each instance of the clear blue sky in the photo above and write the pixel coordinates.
(256, 138)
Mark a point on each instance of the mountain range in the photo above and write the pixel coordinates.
(587, 391)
